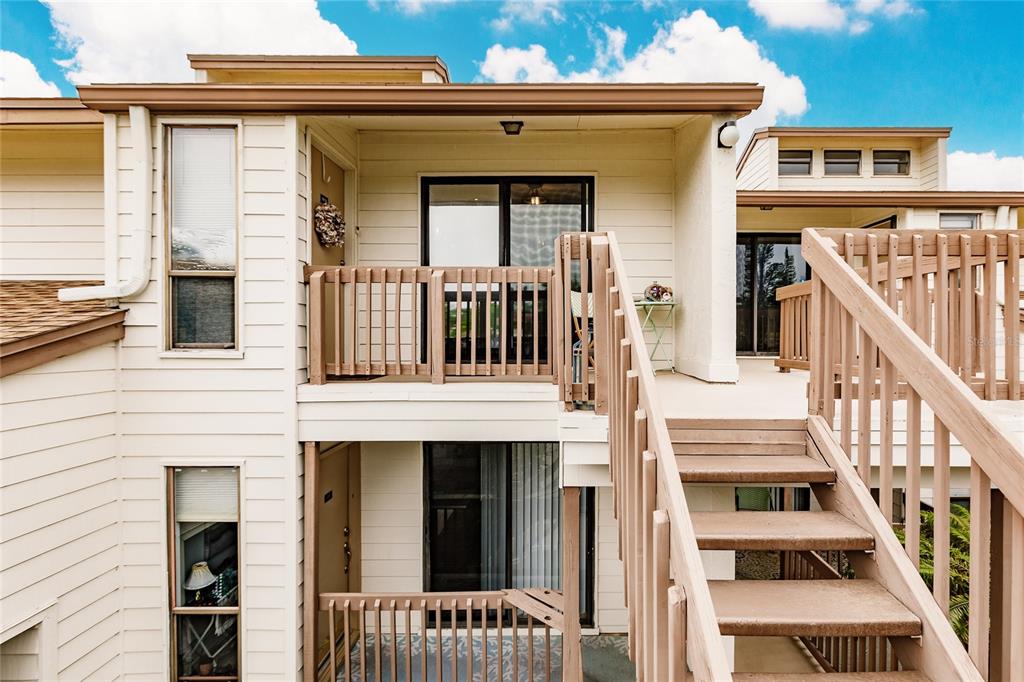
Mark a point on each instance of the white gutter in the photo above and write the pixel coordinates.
(141, 248)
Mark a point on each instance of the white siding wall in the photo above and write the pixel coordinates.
(919, 177)
(391, 483)
(237, 409)
(51, 204)
(609, 603)
(757, 171)
(59, 512)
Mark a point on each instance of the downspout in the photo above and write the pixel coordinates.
(142, 215)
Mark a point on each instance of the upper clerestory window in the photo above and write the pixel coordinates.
(891, 162)
(842, 162)
(795, 161)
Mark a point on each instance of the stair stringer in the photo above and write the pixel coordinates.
(939, 653)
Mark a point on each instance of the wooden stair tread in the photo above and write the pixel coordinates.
(753, 469)
(809, 607)
(802, 530)
(901, 676)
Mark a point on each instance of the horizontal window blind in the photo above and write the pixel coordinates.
(206, 494)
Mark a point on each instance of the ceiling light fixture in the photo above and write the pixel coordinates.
(512, 127)
(536, 199)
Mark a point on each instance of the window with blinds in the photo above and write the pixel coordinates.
(204, 561)
(203, 227)
(959, 221)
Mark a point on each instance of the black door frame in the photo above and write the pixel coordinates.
(752, 238)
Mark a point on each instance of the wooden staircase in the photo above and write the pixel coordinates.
(781, 454)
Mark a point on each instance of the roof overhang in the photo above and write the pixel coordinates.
(321, 63)
(22, 354)
(924, 199)
(47, 111)
(430, 99)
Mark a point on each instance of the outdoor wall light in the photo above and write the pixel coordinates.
(512, 127)
(728, 135)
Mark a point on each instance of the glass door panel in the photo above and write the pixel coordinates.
(538, 213)
(764, 263)
(464, 224)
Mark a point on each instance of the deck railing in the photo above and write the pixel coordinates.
(429, 322)
(504, 634)
(970, 292)
(910, 353)
(672, 624)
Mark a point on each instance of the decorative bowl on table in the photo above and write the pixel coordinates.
(657, 292)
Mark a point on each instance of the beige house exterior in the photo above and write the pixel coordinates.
(291, 439)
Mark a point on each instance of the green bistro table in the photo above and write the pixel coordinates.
(657, 317)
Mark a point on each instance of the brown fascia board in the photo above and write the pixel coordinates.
(46, 111)
(430, 99)
(846, 131)
(319, 63)
(921, 199)
(16, 356)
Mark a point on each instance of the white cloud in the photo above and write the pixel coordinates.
(984, 171)
(829, 15)
(412, 6)
(693, 48)
(147, 41)
(817, 14)
(528, 12)
(20, 78)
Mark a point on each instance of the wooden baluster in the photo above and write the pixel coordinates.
(483, 637)
(414, 313)
(676, 633)
(352, 334)
(437, 318)
(378, 644)
(547, 652)
(383, 277)
(455, 635)
(368, 302)
(980, 566)
(363, 656)
(398, 321)
(437, 641)
(347, 636)
(536, 322)
(408, 641)
(488, 322)
(945, 343)
(849, 351)
(469, 639)
(646, 559)
(504, 321)
(423, 640)
(815, 387)
(529, 645)
(501, 639)
(966, 311)
(889, 384)
(337, 322)
(566, 321)
(660, 607)
(918, 287)
(393, 607)
(1011, 318)
(585, 317)
(458, 322)
(519, 322)
(1014, 596)
(472, 321)
(515, 644)
(332, 640)
(988, 340)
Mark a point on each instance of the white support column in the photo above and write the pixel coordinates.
(705, 252)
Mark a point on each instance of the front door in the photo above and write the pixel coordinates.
(764, 262)
(338, 518)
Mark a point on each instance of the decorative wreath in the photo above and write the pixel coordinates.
(329, 225)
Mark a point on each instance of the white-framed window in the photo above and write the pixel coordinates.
(202, 237)
(204, 559)
(795, 161)
(842, 162)
(891, 161)
(959, 221)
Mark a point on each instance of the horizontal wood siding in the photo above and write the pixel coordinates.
(757, 171)
(391, 491)
(193, 410)
(59, 512)
(609, 600)
(51, 204)
(866, 180)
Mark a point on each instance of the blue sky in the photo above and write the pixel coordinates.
(861, 62)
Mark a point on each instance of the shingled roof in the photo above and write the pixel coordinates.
(35, 327)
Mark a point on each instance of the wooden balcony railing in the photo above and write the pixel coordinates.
(505, 634)
(952, 301)
(911, 353)
(431, 323)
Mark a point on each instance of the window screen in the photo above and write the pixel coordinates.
(795, 161)
(842, 162)
(895, 162)
(958, 221)
(203, 235)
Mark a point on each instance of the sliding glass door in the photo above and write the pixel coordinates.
(764, 263)
(494, 519)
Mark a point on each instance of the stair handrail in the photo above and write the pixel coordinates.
(948, 396)
(842, 301)
(655, 467)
